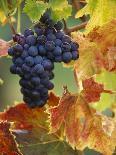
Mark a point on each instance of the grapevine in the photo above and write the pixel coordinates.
(59, 57)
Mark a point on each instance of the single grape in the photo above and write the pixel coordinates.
(28, 32)
(29, 61)
(51, 37)
(66, 47)
(13, 69)
(24, 54)
(19, 62)
(18, 49)
(26, 69)
(11, 51)
(58, 42)
(39, 31)
(57, 51)
(33, 51)
(41, 39)
(35, 95)
(66, 38)
(58, 59)
(35, 81)
(49, 45)
(74, 46)
(47, 64)
(50, 85)
(67, 56)
(31, 40)
(26, 46)
(38, 60)
(38, 69)
(59, 34)
(42, 50)
(75, 55)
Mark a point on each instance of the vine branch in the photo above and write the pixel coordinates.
(74, 28)
(19, 19)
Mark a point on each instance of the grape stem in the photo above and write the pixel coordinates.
(19, 19)
(74, 28)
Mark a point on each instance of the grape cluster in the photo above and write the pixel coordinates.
(34, 55)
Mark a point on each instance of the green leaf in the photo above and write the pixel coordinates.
(34, 9)
(58, 4)
(109, 81)
(60, 14)
(100, 11)
(60, 9)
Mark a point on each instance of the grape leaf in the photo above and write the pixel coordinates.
(8, 144)
(34, 9)
(4, 45)
(105, 40)
(99, 133)
(81, 125)
(31, 129)
(60, 9)
(88, 63)
(97, 51)
(100, 11)
(108, 79)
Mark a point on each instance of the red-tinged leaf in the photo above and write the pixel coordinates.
(53, 99)
(97, 51)
(3, 47)
(92, 90)
(99, 133)
(105, 39)
(22, 116)
(32, 130)
(80, 123)
(104, 36)
(8, 144)
(110, 61)
(58, 113)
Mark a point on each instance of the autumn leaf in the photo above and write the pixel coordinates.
(4, 45)
(105, 39)
(80, 123)
(99, 133)
(89, 62)
(31, 129)
(92, 90)
(100, 11)
(8, 144)
(97, 51)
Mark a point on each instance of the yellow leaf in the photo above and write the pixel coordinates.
(100, 11)
(2, 17)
